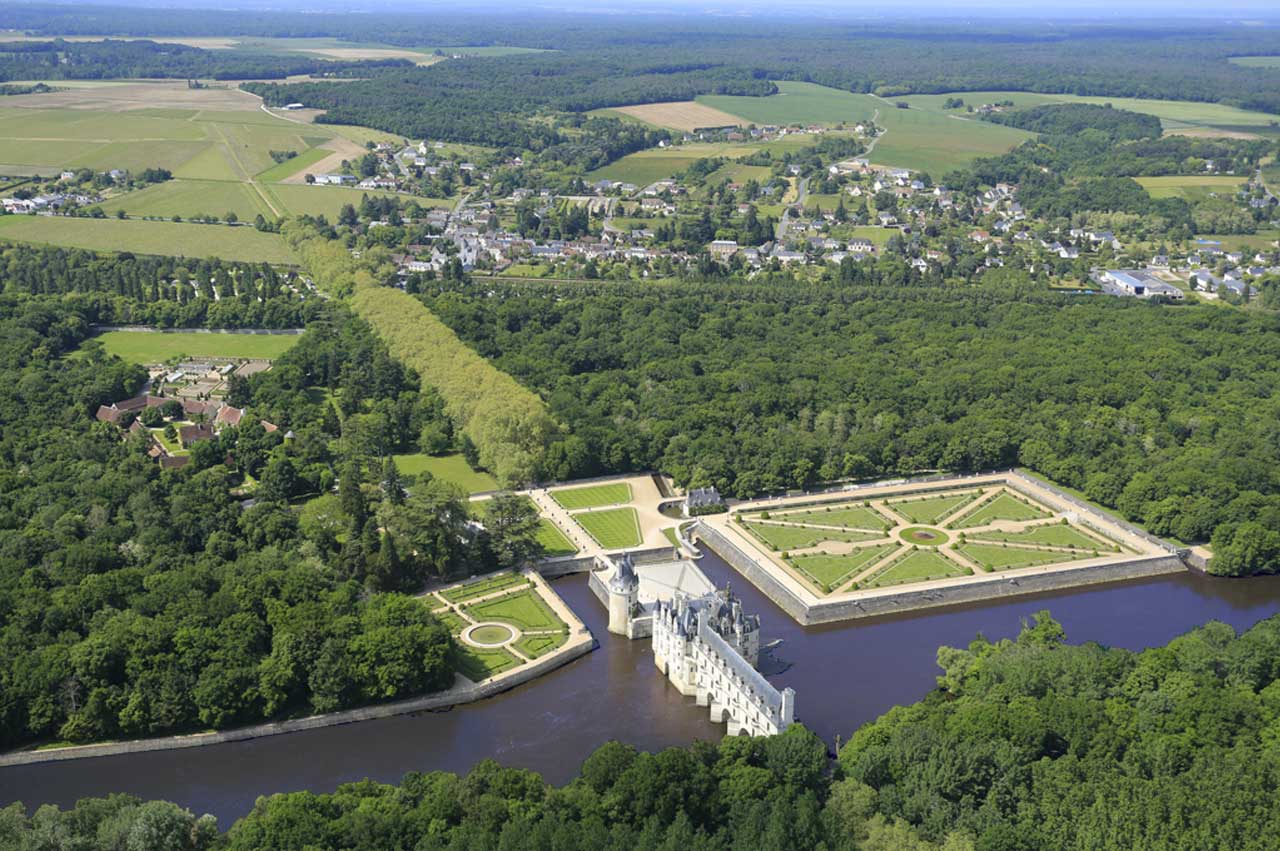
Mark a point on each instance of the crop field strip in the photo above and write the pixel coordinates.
(150, 237)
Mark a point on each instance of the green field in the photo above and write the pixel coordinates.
(1271, 62)
(160, 347)
(1002, 507)
(451, 468)
(490, 634)
(828, 572)
(488, 585)
(191, 198)
(918, 566)
(592, 496)
(534, 646)
(929, 510)
(328, 200)
(1175, 115)
(803, 537)
(920, 139)
(452, 620)
(1053, 534)
(851, 517)
(554, 542)
(183, 240)
(1262, 240)
(476, 664)
(1192, 188)
(644, 167)
(524, 610)
(996, 557)
(292, 166)
(613, 528)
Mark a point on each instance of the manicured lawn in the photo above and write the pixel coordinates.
(162, 346)
(487, 585)
(452, 621)
(802, 537)
(554, 542)
(534, 646)
(1053, 534)
(919, 566)
(476, 664)
(929, 510)
(1003, 507)
(451, 468)
(491, 634)
(827, 572)
(140, 237)
(613, 529)
(593, 496)
(851, 517)
(524, 610)
(997, 557)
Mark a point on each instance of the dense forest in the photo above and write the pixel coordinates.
(1028, 744)
(755, 388)
(136, 601)
(168, 292)
(115, 59)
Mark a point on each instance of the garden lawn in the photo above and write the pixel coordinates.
(534, 646)
(929, 510)
(997, 557)
(554, 542)
(613, 529)
(803, 537)
(476, 664)
(828, 572)
(161, 346)
(919, 566)
(488, 585)
(1053, 534)
(1003, 507)
(852, 517)
(451, 468)
(524, 610)
(592, 496)
(141, 237)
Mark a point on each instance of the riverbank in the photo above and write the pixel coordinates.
(580, 642)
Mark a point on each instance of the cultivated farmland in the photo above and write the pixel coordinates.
(679, 115)
(184, 240)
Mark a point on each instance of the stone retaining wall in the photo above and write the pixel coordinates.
(758, 576)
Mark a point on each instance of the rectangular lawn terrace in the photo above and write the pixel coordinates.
(613, 529)
(802, 537)
(524, 610)
(593, 496)
(828, 572)
(919, 566)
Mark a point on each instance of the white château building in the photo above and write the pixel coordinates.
(703, 643)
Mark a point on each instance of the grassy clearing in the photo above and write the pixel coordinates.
(451, 468)
(1004, 506)
(488, 585)
(1053, 534)
(828, 572)
(613, 528)
(592, 496)
(1192, 188)
(929, 510)
(850, 517)
(534, 646)
(524, 610)
(182, 240)
(554, 542)
(919, 566)
(803, 537)
(159, 347)
(998, 557)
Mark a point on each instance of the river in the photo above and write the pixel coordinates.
(843, 674)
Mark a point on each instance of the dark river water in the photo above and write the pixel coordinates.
(844, 675)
